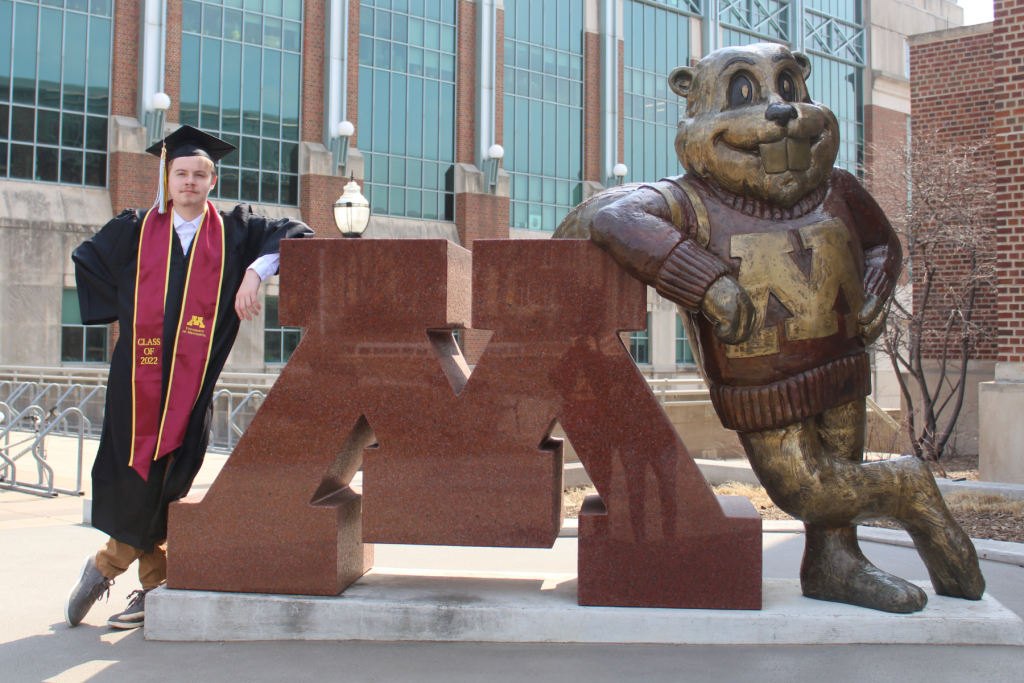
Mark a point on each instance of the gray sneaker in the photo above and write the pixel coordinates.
(135, 614)
(90, 587)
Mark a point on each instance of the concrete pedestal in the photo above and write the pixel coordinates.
(1001, 427)
(422, 605)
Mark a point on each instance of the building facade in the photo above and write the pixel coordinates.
(569, 88)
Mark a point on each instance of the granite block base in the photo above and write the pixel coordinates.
(421, 605)
(721, 564)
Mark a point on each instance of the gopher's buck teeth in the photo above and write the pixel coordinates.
(798, 152)
(786, 155)
(773, 157)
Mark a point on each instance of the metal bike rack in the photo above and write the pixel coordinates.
(9, 469)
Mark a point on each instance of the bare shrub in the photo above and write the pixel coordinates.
(944, 198)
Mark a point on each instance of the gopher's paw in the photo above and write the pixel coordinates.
(728, 305)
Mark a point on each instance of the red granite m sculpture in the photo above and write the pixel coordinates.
(454, 458)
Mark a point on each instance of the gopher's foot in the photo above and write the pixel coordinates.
(951, 559)
(945, 547)
(835, 569)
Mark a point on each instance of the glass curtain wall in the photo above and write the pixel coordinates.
(278, 342)
(55, 90)
(241, 70)
(407, 106)
(657, 41)
(834, 40)
(833, 37)
(684, 354)
(543, 106)
(640, 344)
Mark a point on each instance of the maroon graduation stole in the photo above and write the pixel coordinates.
(154, 435)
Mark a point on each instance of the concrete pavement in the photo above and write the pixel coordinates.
(42, 546)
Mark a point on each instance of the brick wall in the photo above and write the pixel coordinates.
(313, 40)
(1008, 58)
(881, 125)
(352, 103)
(952, 96)
(592, 108)
(124, 71)
(132, 180)
(317, 194)
(172, 65)
(465, 85)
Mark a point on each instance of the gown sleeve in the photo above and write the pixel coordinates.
(99, 263)
(265, 235)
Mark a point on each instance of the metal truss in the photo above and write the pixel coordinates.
(831, 37)
(768, 19)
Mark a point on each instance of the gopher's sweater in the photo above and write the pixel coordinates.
(808, 270)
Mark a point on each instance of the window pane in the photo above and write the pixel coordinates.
(25, 30)
(407, 114)
(250, 191)
(95, 169)
(96, 133)
(75, 61)
(6, 11)
(95, 344)
(51, 26)
(189, 104)
(99, 66)
(72, 344)
(47, 164)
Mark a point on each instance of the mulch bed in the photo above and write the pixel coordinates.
(991, 526)
(991, 522)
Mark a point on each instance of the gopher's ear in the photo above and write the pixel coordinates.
(680, 80)
(804, 62)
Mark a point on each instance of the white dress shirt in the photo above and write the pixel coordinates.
(264, 266)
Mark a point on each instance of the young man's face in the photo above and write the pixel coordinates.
(189, 182)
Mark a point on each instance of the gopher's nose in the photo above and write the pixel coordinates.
(781, 113)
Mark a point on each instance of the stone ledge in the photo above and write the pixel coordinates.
(950, 33)
(422, 605)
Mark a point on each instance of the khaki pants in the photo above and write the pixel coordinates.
(115, 559)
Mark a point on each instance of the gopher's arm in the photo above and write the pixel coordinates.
(883, 254)
(637, 231)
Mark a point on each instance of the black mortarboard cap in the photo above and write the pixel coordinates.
(192, 142)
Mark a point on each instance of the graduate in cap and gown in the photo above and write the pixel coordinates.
(178, 278)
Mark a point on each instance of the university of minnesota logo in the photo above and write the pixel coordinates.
(195, 327)
(807, 300)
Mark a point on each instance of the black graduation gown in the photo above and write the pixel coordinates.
(125, 506)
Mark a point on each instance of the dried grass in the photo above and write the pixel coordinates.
(984, 503)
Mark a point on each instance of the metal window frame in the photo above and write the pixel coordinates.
(367, 180)
(643, 335)
(282, 330)
(36, 108)
(583, 98)
(106, 343)
(220, 106)
(682, 105)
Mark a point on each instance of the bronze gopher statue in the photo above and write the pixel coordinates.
(781, 266)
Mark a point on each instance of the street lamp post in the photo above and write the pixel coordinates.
(345, 132)
(155, 118)
(352, 210)
(495, 153)
(619, 171)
